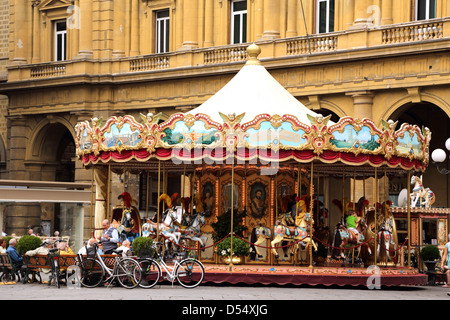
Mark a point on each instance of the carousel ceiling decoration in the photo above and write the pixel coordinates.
(253, 118)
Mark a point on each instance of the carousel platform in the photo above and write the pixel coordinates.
(295, 275)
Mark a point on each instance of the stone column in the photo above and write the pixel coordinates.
(259, 18)
(36, 33)
(362, 104)
(209, 24)
(119, 29)
(386, 12)
(348, 13)
(190, 26)
(20, 31)
(134, 44)
(86, 48)
(361, 14)
(292, 13)
(271, 20)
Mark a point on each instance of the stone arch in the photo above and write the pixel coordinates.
(420, 97)
(51, 148)
(327, 107)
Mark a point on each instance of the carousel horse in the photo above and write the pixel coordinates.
(166, 228)
(385, 236)
(344, 236)
(282, 232)
(127, 226)
(193, 231)
(262, 233)
(127, 219)
(419, 192)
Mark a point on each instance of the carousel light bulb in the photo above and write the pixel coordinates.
(438, 155)
(447, 144)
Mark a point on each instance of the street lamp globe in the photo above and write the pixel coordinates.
(439, 155)
(447, 144)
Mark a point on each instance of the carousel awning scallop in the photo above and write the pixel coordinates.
(253, 91)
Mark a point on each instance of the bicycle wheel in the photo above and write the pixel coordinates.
(129, 273)
(92, 273)
(190, 273)
(55, 272)
(151, 273)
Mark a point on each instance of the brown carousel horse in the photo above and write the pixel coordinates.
(344, 236)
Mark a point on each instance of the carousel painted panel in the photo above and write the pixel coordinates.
(275, 132)
(410, 142)
(122, 133)
(84, 138)
(357, 136)
(258, 219)
(187, 131)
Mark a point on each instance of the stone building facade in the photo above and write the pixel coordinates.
(73, 60)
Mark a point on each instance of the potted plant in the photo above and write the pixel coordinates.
(27, 243)
(143, 247)
(223, 225)
(240, 250)
(429, 255)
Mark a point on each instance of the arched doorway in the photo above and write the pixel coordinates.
(50, 156)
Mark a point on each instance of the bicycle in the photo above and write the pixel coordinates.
(55, 273)
(94, 271)
(189, 272)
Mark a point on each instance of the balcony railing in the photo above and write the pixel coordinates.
(149, 63)
(46, 71)
(413, 32)
(341, 41)
(312, 44)
(225, 55)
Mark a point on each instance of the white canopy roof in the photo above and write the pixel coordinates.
(254, 91)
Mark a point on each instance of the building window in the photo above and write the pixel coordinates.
(238, 22)
(325, 16)
(162, 31)
(425, 9)
(60, 40)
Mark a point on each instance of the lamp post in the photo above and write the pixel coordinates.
(439, 156)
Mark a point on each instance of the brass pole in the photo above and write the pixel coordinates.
(311, 215)
(376, 201)
(232, 215)
(108, 194)
(159, 194)
(343, 194)
(146, 200)
(408, 206)
(92, 198)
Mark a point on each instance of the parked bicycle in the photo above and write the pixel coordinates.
(94, 271)
(189, 272)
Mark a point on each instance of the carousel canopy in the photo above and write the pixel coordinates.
(251, 92)
(254, 120)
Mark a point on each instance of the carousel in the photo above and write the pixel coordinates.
(301, 191)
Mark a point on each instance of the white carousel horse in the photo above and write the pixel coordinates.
(166, 228)
(346, 236)
(419, 192)
(193, 231)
